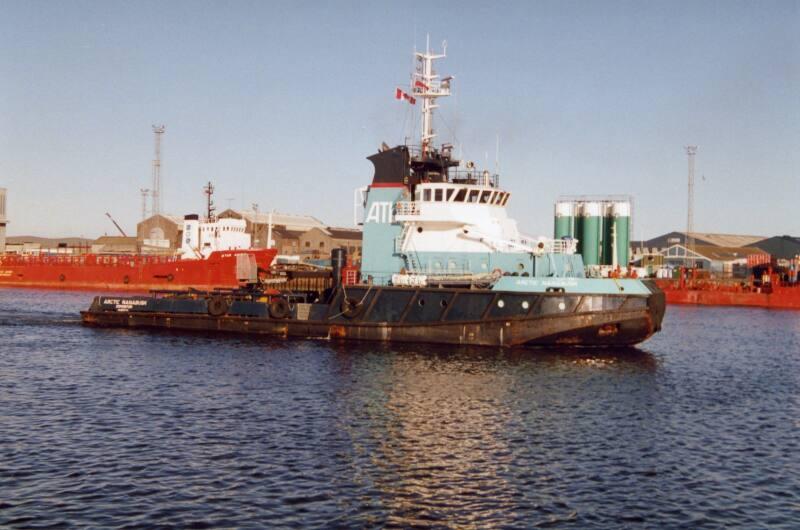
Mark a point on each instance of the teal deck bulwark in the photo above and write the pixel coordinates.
(571, 285)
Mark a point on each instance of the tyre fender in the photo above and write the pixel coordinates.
(279, 308)
(217, 306)
(350, 307)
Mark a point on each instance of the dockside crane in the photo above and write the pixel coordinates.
(121, 231)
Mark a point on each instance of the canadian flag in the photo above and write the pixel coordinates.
(399, 94)
(420, 84)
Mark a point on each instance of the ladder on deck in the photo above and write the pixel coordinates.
(401, 245)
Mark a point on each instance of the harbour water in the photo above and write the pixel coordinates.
(120, 428)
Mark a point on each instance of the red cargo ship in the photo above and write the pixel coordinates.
(214, 253)
(764, 288)
(221, 269)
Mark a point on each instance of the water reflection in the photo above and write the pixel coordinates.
(448, 428)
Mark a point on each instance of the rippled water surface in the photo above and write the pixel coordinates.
(119, 428)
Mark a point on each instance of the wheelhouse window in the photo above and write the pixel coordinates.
(485, 196)
(461, 195)
(426, 195)
(438, 195)
(473, 195)
(450, 192)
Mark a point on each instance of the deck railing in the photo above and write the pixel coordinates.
(86, 259)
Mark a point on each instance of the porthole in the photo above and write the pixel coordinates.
(501, 303)
(562, 306)
(520, 266)
(443, 303)
(525, 304)
(419, 229)
(421, 302)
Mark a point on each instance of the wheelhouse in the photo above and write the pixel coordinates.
(460, 193)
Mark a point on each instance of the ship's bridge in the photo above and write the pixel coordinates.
(452, 202)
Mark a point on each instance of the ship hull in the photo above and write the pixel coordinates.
(546, 319)
(224, 269)
(779, 298)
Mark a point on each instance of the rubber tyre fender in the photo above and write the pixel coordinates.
(126, 279)
(279, 308)
(350, 307)
(217, 306)
(61, 277)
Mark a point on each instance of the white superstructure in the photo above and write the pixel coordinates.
(466, 212)
(452, 217)
(200, 238)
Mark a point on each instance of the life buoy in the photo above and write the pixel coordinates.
(217, 306)
(279, 308)
(350, 307)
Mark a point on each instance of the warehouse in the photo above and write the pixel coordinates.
(719, 260)
(781, 247)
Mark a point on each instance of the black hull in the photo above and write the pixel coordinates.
(547, 319)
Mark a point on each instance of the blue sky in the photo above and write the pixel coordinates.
(279, 103)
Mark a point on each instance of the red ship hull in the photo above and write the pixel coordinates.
(222, 269)
(778, 297)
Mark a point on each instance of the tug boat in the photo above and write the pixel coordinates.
(441, 263)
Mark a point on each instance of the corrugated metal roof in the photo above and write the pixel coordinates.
(176, 219)
(290, 221)
(48, 242)
(114, 240)
(282, 231)
(344, 233)
(726, 253)
(726, 240)
(714, 253)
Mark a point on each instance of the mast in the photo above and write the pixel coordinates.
(209, 192)
(158, 130)
(427, 86)
(691, 151)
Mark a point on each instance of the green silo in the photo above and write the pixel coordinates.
(564, 220)
(621, 232)
(607, 242)
(591, 231)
